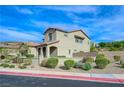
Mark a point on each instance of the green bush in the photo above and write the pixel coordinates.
(100, 56)
(117, 58)
(5, 65)
(30, 55)
(11, 66)
(22, 66)
(27, 61)
(89, 60)
(86, 66)
(52, 62)
(69, 63)
(101, 62)
(113, 49)
(7, 60)
(44, 63)
(122, 63)
(17, 60)
(78, 65)
(10, 57)
(0, 65)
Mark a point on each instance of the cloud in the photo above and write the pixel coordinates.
(14, 34)
(111, 36)
(70, 8)
(64, 26)
(24, 10)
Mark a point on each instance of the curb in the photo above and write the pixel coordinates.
(85, 78)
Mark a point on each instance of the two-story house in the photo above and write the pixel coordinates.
(58, 42)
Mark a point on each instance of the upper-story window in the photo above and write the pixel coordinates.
(66, 35)
(78, 40)
(50, 36)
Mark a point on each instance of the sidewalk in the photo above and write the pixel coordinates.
(108, 78)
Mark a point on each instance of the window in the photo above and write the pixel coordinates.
(75, 50)
(50, 37)
(78, 40)
(65, 35)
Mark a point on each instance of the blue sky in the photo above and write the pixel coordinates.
(28, 23)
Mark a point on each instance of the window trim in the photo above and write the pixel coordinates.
(78, 40)
(50, 38)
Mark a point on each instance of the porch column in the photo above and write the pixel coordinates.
(47, 52)
(41, 52)
(40, 57)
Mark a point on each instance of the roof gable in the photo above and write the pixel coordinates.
(56, 29)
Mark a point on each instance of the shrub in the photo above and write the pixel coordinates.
(86, 66)
(89, 60)
(11, 66)
(1, 65)
(22, 66)
(69, 63)
(30, 55)
(122, 63)
(52, 62)
(27, 61)
(101, 62)
(2, 57)
(14, 60)
(117, 58)
(5, 65)
(78, 65)
(100, 56)
(7, 60)
(43, 63)
(10, 57)
(113, 49)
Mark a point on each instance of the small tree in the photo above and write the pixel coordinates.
(23, 50)
(93, 48)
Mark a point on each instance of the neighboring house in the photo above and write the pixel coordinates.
(13, 47)
(62, 43)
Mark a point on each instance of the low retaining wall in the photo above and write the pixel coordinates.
(84, 54)
(111, 54)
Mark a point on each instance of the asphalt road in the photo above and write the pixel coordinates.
(23, 81)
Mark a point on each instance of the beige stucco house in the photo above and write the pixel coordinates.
(58, 42)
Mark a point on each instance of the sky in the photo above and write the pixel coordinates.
(28, 23)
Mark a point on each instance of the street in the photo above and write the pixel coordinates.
(23, 81)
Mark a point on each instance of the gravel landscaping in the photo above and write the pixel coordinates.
(112, 68)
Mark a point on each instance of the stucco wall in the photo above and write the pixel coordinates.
(33, 51)
(68, 43)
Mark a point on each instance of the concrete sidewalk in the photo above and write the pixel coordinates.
(109, 78)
